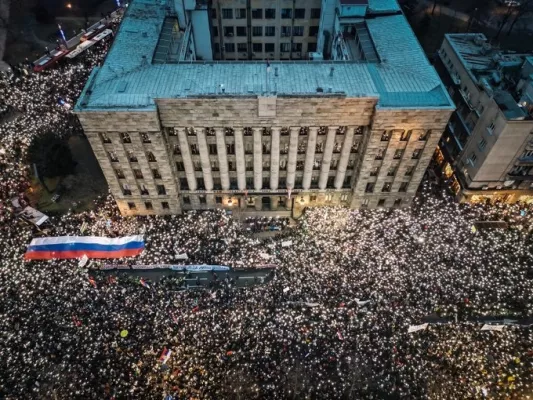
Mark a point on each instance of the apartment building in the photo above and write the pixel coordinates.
(257, 136)
(487, 149)
(264, 29)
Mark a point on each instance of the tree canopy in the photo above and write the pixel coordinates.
(52, 155)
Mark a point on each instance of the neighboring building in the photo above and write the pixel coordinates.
(172, 133)
(487, 149)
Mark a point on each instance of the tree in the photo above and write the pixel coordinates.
(52, 155)
(525, 8)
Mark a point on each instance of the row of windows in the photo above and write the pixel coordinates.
(268, 47)
(137, 173)
(267, 13)
(387, 186)
(132, 157)
(398, 154)
(250, 183)
(405, 136)
(126, 138)
(393, 170)
(249, 165)
(265, 131)
(160, 189)
(149, 206)
(257, 31)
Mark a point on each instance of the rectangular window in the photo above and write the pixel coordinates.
(284, 47)
(217, 185)
(257, 13)
(132, 157)
(144, 190)
(380, 153)
(156, 174)
(112, 156)
(230, 148)
(138, 174)
(240, 13)
(270, 31)
(398, 154)
(482, 144)
(315, 13)
(184, 184)
(391, 171)
(297, 47)
(232, 166)
(132, 206)
(145, 138)
(161, 190)
(286, 13)
(369, 187)
(374, 171)
(217, 48)
(313, 30)
(299, 13)
(416, 154)
(491, 127)
(257, 31)
(386, 135)
(381, 202)
(386, 187)
(241, 31)
(229, 47)
(148, 205)
(397, 202)
(194, 149)
(218, 199)
(424, 136)
(403, 187)
(197, 165)
(285, 31)
(227, 13)
(297, 30)
(104, 138)
(257, 47)
(125, 138)
(186, 200)
(165, 205)
(311, 47)
(213, 13)
(269, 47)
(242, 47)
(472, 159)
(409, 171)
(126, 189)
(151, 157)
(229, 31)
(404, 137)
(270, 13)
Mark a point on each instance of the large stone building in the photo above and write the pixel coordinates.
(173, 133)
(487, 149)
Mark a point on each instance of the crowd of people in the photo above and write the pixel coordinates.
(332, 323)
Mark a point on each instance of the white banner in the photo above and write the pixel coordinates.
(416, 328)
(488, 327)
(182, 256)
(264, 256)
(286, 243)
(286, 289)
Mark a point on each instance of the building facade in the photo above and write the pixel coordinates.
(487, 149)
(258, 137)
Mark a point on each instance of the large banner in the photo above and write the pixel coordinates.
(192, 268)
(64, 247)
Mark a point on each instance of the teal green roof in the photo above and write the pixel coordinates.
(127, 80)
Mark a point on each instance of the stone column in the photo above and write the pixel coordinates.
(274, 202)
(345, 156)
(222, 158)
(292, 157)
(258, 159)
(309, 157)
(326, 158)
(204, 158)
(274, 159)
(187, 159)
(239, 156)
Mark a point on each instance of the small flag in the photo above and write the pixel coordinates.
(339, 335)
(165, 355)
(77, 322)
(83, 260)
(143, 282)
(92, 281)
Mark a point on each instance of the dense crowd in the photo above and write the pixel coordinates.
(332, 323)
